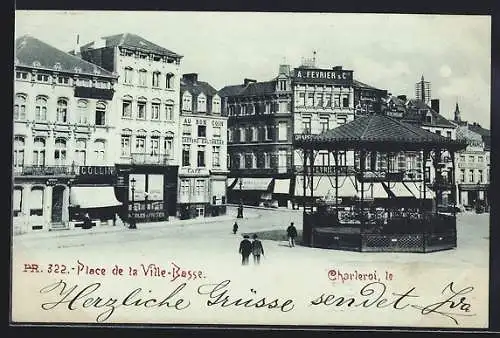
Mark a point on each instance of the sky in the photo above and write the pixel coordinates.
(388, 51)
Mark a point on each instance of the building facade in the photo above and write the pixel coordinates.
(260, 134)
(203, 166)
(146, 105)
(63, 130)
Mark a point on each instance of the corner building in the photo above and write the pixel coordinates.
(146, 105)
(63, 137)
(203, 168)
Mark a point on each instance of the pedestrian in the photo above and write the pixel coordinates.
(257, 249)
(291, 231)
(245, 249)
(114, 218)
(235, 228)
(87, 222)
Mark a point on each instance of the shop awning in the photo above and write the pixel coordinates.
(417, 190)
(373, 190)
(247, 183)
(322, 187)
(281, 186)
(94, 197)
(400, 190)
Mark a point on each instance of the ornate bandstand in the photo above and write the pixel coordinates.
(373, 207)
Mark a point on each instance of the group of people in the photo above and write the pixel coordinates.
(256, 248)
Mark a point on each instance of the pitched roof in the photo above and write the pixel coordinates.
(30, 50)
(251, 89)
(377, 129)
(133, 41)
(195, 88)
(413, 113)
(485, 134)
(360, 84)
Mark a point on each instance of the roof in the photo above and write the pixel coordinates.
(133, 41)
(30, 50)
(360, 84)
(378, 131)
(413, 112)
(195, 88)
(252, 89)
(485, 134)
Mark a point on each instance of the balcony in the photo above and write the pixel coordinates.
(239, 172)
(56, 170)
(151, 159)
(94, 93)
(325, 170)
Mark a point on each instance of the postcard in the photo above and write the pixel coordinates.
(306, 169)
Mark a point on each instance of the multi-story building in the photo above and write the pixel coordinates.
(260, 129)
(146, 104)
(368, 99)
(203, 168)
(473, 164)
(63, 136)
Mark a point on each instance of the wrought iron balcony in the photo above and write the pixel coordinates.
(238, 172)
(53, 170)
(94, 93)
(152, 159)
(325, 170)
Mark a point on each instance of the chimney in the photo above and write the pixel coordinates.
(246, 82)
(284, 69)
(76, 50)
(435, 105)
(191, 77)
(99, 43)
(337, 68)
(402, 98)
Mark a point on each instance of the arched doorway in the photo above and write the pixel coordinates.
(57, 203)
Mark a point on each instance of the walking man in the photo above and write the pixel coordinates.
(245, 249)
(257, 249)
(291, 231)
(235, 228)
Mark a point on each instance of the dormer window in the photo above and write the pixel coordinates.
(36, 64)
(186, 102)
(428, 118)
(78, 70)
(57, 66)
(282, 84)
(42, 77)
(202, 103)
(216, 105)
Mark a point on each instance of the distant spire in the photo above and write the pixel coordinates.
(422, 78)
(457, 113)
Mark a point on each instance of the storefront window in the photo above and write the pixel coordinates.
(36, 201)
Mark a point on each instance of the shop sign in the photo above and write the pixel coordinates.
(96, 170)
(202, 140)
(193, 172)
(322, 75)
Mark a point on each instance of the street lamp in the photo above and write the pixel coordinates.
(240, 207)
(132, 218)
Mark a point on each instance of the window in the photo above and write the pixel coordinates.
(42, 78)
(216, 156)
(428, 118)
(186, 102)
(401, 161)
(20, 107)
(282, 84)
(302, 100)
(169, 112)
(141, 110)
(81, 152)
(471, 158)
(248, 161)
(324, 123)
(60, 152)
(100, 114)
(102, 85)
(216, 105)
(306, 125)
(39, 151)
(168, 146)
(127, 107)
(216, 131)
(480, 159)
(36, 201)
(201, 156)
(438, 132)
(129, 75)
(471, 176)
(185, 186)
(17, 201)
(310, 99)
(283, 107)
(462, 175)
(267, 160)
(200, 187)
(155, 111)
(341, 120)
(41, 109)
(242, 134)
(319, 100)
(186, 129)
(155, 145)
(186, 154)
(140, 144)
(82, 106)
(19, 151)
(462, 158)
(125, 145)
(337, 100)
(142, 77)
(202, 131)
(21, 75)
(202, 104)
(156, 79)
(230, 135)
(448, 134)
(63, 80)
(328, 100)
(99, 151)
(480, 178)
(282, 131)
(345, 101)
(169, 83)
(62, 111)
(84, 83)
(255, 134)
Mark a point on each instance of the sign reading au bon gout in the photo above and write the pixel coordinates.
(307, 75)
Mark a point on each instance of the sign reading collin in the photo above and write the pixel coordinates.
(336, 76)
